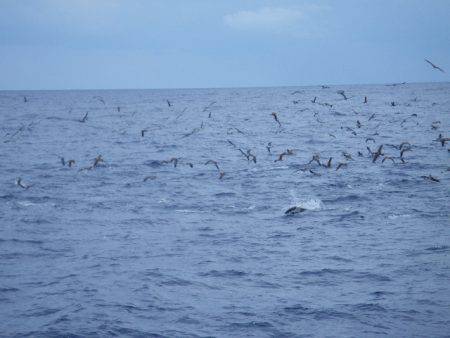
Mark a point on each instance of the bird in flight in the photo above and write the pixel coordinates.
(20, 183)
(85, 117)
(434, 66)
(342, 93)
(275, 116)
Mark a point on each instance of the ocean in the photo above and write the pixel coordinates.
(179, 228)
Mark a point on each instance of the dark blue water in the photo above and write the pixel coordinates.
(100, 252)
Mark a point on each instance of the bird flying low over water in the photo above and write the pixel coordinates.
(431, 178)
(100, 99)
(70, 163)
(20, 183)
(341, 165)
(275, 116)
(342, 93)
(98, 160)
(216, 164)
(173, 160)
(443, 140)
(84, 119)
(378, 153)
(434, 66)
(284, 153)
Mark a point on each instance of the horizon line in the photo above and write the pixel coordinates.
(226, 87)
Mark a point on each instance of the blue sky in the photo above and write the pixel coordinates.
(84, 44)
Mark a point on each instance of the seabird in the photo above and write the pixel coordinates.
(229, 131)
(275, 116)
(143, 131)
(365, 99)
(358, 124)
(100, 99)
(84, 119)
(315, 158)
(431, 178)
(21, 184)
(435, 125)
(214, 163)
(63, 161)
(347, 155)
(269, 146)
(395, 84)
(173, 160)
(98, 160)
(230, 142)
(443, 140)
(434, 66)
(342, 93)
(71, 163)
(284, 153)
(351, 130)
(25, 99)
(195, 130)
(168, 103)
(209, 106)
(250, 155)
(244, 153)
(377, 154)
(341, 165)
(314, 101)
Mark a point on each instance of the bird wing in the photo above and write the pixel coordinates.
(434, 66)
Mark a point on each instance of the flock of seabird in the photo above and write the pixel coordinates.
(311, 167)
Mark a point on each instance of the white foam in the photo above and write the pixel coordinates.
(306, 203)
(26, 203)
(311, 204)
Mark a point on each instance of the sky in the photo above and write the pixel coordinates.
(122, 44)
